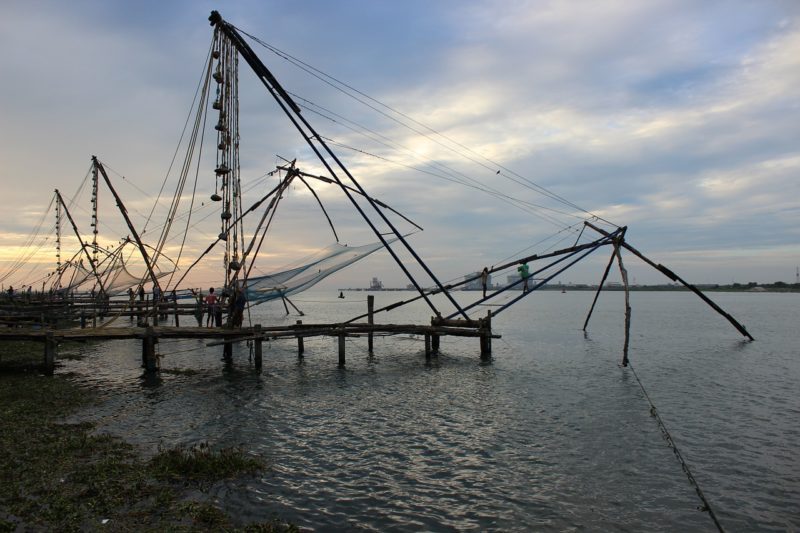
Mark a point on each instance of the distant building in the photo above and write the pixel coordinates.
(375, 285)
(475, 284)
(514, 278)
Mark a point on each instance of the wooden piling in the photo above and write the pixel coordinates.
(50, 350)
(486, 336)
(599, 288)
(624, 274)
(227, 351)
(258, 342)
(370, 319)
(341, 350)
(427, 346)
(175, 306)
(300, 344)
(149, 350)
(435, 336)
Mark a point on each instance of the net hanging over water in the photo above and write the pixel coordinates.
(324, 263)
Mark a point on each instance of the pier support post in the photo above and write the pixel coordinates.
(300, 344)
(258, 346)
(370, 319)
(149, 350)
(341, 350)
(175, 306)
(427, 346)
(83, 319)
(486, 336)
(50, 350)
(624, 274)
(434, 337)
(227, 351)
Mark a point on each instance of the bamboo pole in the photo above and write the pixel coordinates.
(370, 320)
(674, 277)
(624, 273)
(258, 346)
(599, 288)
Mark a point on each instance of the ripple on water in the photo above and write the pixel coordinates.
(552, 435)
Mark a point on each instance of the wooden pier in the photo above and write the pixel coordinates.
(226, 337)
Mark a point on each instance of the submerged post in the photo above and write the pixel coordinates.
(434, 337)
(341, 350)
(624, 273)
(258, 347)
(227, 351)
(486, 336)
(370, 319)
(149, 350)
(300, 345)
(427, 346)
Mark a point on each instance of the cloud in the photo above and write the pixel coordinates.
(678, 119)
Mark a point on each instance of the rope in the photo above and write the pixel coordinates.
(671, 443)
(415, 125)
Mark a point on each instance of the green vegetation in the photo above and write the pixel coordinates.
(59, 476)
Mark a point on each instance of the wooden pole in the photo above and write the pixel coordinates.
(149, 350)
(370, 320)
(227, 351)
(427, 346)
(599, 288)
(299, 312)
(486, 336)
(341, 350)
(674, 277)
(624, 273)
(259, 341)
(300, 344)
(177, 320)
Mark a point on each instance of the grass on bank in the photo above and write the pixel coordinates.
(58, 476)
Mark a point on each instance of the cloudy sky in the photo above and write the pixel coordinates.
(678, 119)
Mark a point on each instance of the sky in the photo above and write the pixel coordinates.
(677, 119)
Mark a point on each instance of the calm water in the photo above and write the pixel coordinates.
(551, 435)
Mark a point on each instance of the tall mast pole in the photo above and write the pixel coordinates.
(310, 135)
(124, 211)
(94, 214)
(58, 235)
(80, 241)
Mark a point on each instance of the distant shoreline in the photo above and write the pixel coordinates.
(736, 287)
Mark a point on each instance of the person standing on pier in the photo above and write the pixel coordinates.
(211, 304)
(523, 273)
